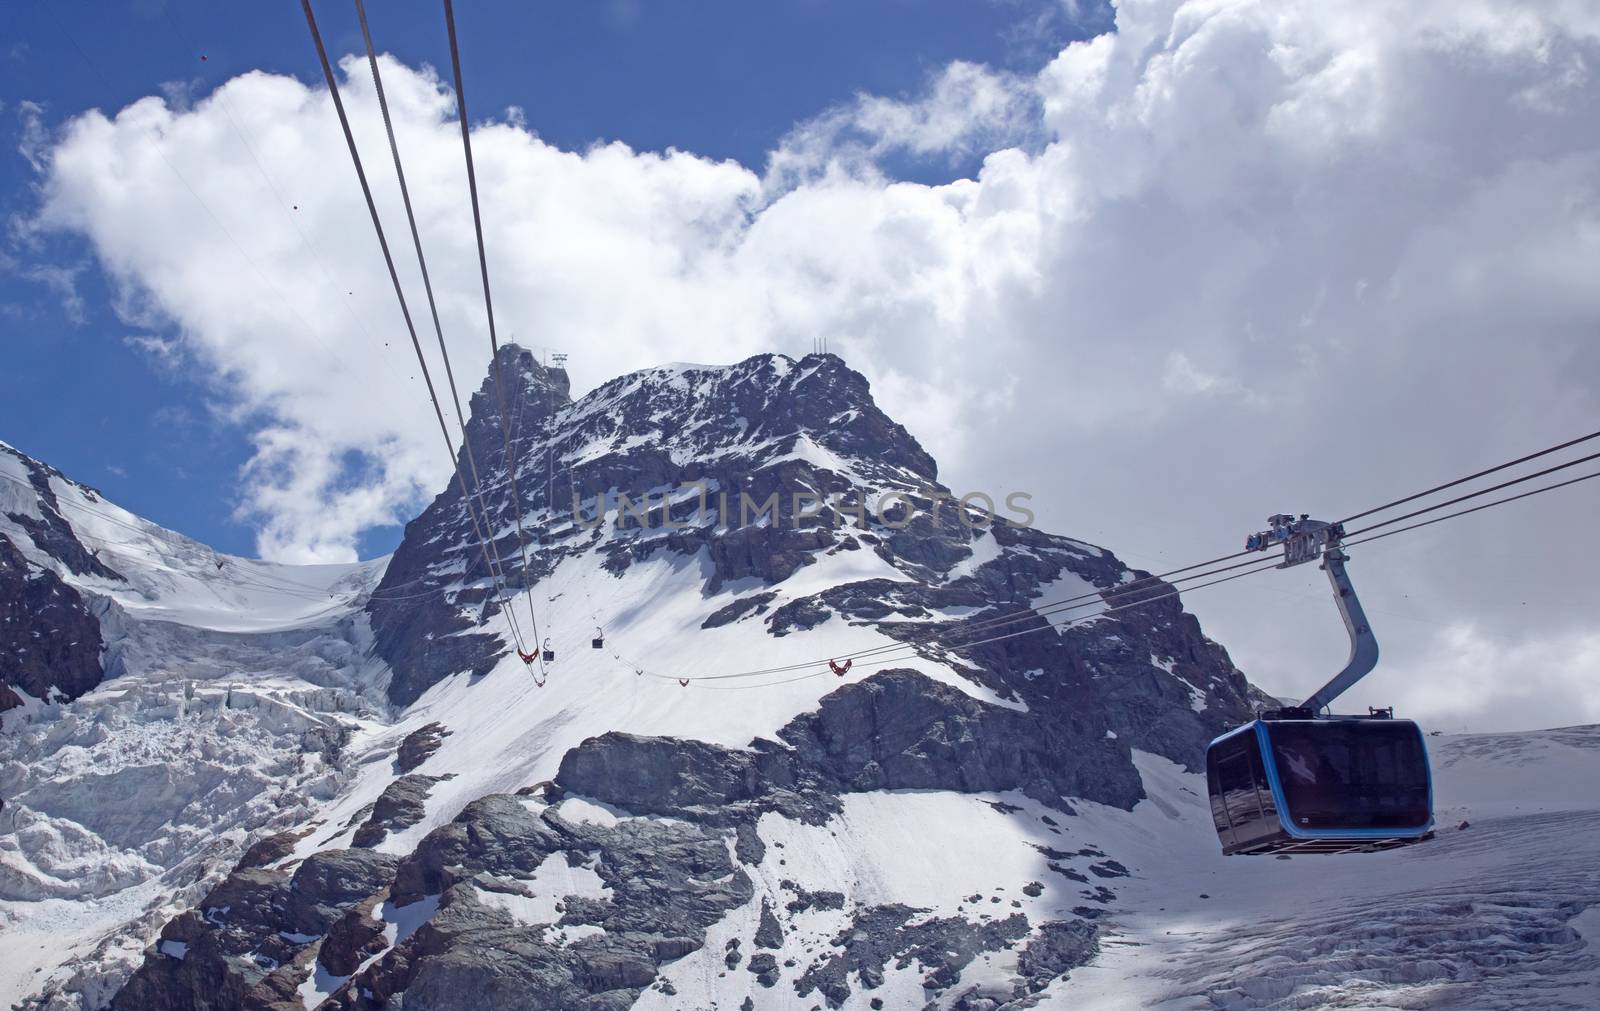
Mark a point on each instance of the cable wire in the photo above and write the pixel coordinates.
(405, 311)
(1464, 512)
(885, 653)
(427, 286)
(1473, 495)
(511, 464)
(938, 635)
(1471, 477)
(1082, 619)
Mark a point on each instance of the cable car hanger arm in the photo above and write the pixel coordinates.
(1305, 540)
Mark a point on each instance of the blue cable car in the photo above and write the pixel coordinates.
(1297, 780)
(1320, 786)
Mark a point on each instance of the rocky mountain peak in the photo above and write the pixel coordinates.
(763, 429)
(533, 393)
(799, 503)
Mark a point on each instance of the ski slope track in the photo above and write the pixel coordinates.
(228, 783)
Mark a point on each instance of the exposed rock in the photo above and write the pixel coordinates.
(804, 900)
(327, 883)
(657, 775)
(249, 942)
(668, 882)
(735, 428)
(769, 933)
(270, 849)
(50, 641)
(1060, 945)
(898, 729)
(426, 636)
(50, 531)
(943, 946)
(354, 936)
(748, 846)
(402, 804)
(764, 966)
(756, 603)
(419, 746)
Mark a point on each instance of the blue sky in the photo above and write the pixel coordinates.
(721, 79)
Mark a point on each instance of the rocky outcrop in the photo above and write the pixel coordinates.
(1059, 947)
(879, 935)
(896, 730)
(50, 641)
(661, 884)
(748, 429)
(271, 848)
(49, 529)
(401, 805)
(250, 942)
(419, 746)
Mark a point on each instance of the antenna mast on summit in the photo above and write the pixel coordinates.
(559, 360)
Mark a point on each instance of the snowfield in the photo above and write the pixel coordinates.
(1504, 913)
(1501, 913)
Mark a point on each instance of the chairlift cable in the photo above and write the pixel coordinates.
(1081, 619)
(1473, 495)
(511, 464)
(1464, 512)
(394, 277)
(885, 653)
(1472, 477)
(427, 286)
(939, 637)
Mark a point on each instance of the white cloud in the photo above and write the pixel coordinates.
(32, 137)
(163, 351)
(967, 109)
(1234, 258)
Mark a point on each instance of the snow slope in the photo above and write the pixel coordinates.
(1502, 913)
(508, 733)
(170, 577)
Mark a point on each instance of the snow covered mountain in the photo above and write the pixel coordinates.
(160, 702)
(233, 784)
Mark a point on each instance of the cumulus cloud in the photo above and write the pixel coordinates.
(1229, 259)
(967, 109)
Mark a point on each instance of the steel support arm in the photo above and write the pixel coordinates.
(1363, 644)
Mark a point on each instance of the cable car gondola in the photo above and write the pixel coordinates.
(1320, 785)
(1296, 780)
